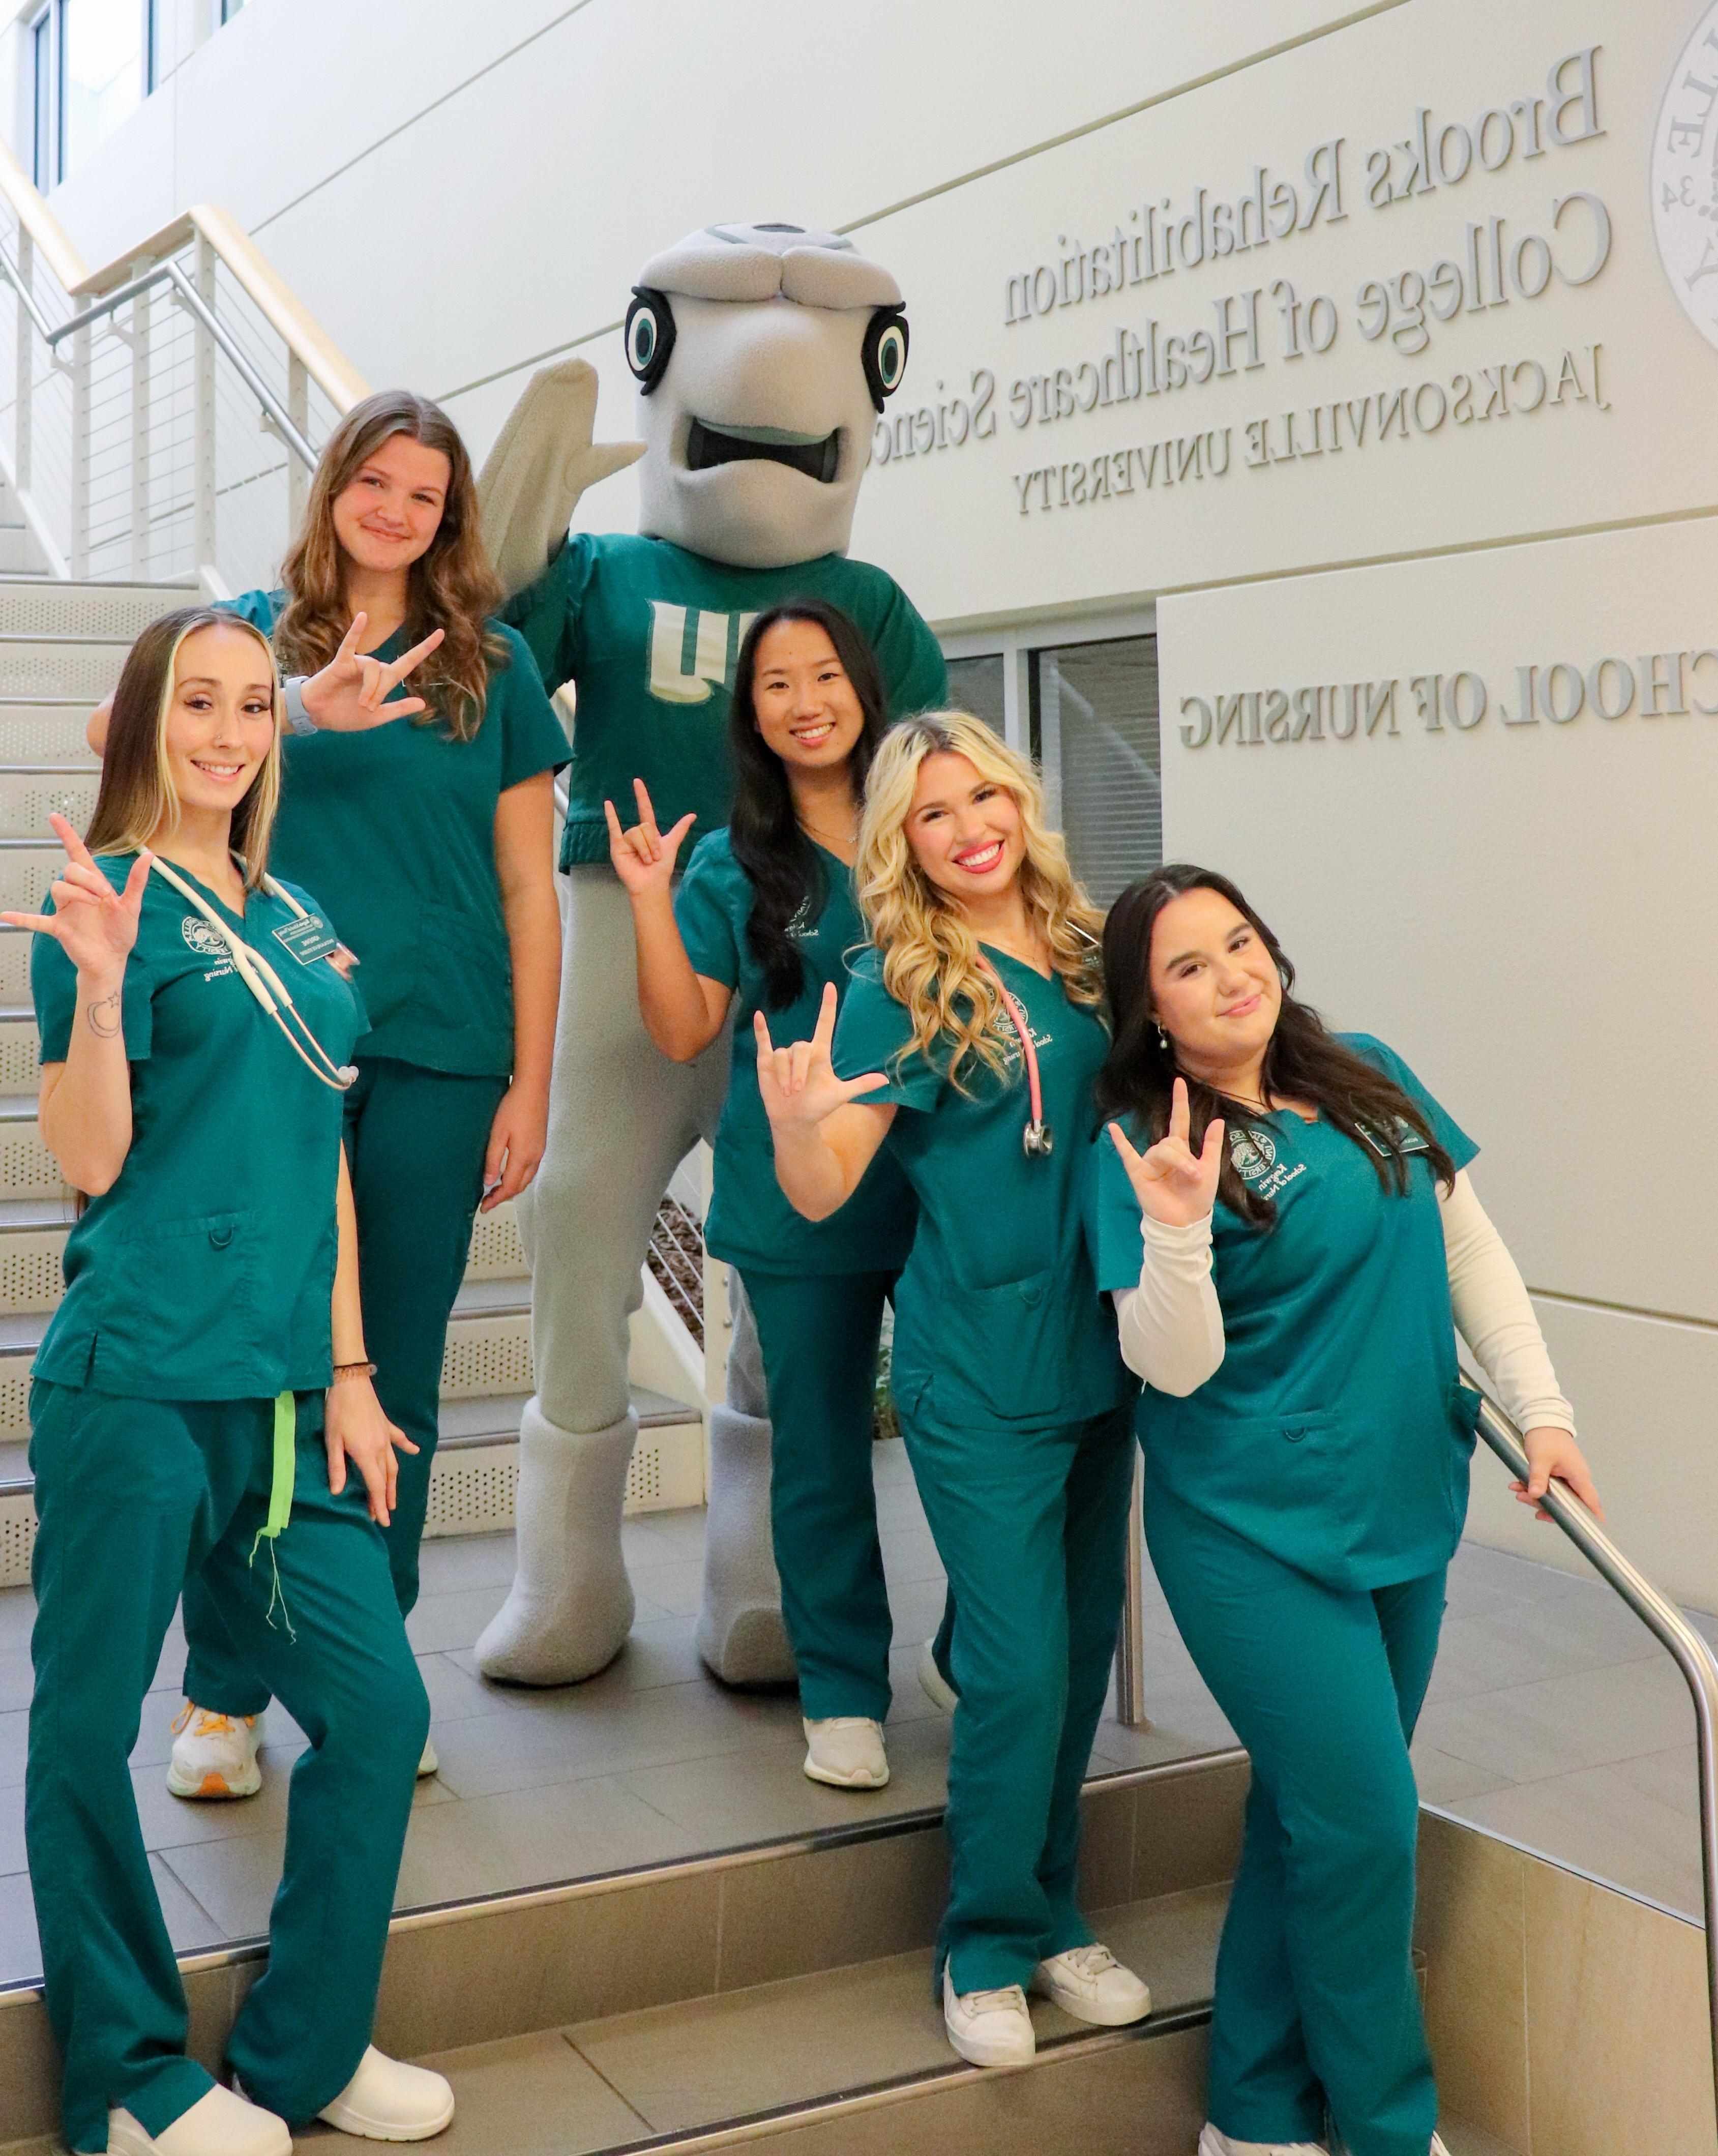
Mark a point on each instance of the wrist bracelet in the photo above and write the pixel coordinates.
(292, 689)
(353, 1370)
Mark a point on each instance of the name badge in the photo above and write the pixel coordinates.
(308, 939)
(1407, 1140)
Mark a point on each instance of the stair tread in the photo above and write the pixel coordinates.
(493, 1298)
(853, 2033)
(18, 1107)
(21, 1215)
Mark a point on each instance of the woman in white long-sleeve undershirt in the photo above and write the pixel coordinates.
(1284, 1219)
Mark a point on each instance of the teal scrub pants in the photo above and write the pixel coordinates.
(819, 1336)
(133, 1496)
(1316, 2004)
(416, 1140)
(1032, 1528)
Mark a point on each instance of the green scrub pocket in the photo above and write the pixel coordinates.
(1004, 1352)
(198, 1330)
(450, 994)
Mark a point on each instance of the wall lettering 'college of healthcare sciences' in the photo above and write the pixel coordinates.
(1656, 685)
(1492, 264)
(1523, 386)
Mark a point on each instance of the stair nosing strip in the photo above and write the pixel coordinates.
(734, 2133)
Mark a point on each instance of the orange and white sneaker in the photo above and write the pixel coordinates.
(215, 1755)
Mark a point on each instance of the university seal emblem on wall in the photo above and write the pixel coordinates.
(1684, 176)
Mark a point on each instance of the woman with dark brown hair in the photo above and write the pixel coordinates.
(424, 823)
(1285, 1217)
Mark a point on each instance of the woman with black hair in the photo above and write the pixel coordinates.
(1308, 1231)
(766, 915)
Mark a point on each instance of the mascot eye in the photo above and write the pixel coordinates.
(649, 336)
(885, 353)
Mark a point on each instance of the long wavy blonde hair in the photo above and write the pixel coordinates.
(451, 587)
(930, 956)
(137, 796)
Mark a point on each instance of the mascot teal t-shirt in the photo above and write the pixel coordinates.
(650, 633)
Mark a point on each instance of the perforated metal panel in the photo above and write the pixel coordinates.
(18, 1538)
(27, 801)
(25, 874)
(62, 609)
(44, 734)
(14, 965)
(32, 1278)
(474, 1490)
(496, 1251)
(44, 668)
(14, 1395)
(20, 1058)
(27, 1167)
(487, 1355)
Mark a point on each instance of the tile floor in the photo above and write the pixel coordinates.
(1553, 1718)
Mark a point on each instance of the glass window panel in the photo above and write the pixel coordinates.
(103, 72)
(46, 171)
(1094, 714)
(976, 685)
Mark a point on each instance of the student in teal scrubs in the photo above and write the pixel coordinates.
(764, 919)
(973, 1033)
(1285, 1217)
(425, 822)
(200, 1403)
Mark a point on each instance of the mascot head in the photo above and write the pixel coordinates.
(763, 354)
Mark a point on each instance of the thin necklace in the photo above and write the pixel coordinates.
(827, 840)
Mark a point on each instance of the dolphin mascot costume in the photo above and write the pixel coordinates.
(762, 354)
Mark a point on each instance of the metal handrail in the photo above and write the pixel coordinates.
(1666, 1622)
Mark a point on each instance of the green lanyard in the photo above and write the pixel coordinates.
(280, 1498)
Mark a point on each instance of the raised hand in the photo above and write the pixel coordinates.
(1173, 1183)
(643, 857)
(93, 924)
(798, 1083)
(348, 695)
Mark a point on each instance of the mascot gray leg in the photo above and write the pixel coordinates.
(621, 1119)
(740, 1635)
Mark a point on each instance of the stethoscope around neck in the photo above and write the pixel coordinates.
(1036, 1139)
(264, 983)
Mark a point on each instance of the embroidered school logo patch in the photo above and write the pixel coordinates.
(1253, 1153)
(205, 941)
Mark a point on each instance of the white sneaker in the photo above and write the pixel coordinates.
(1214, 2143)
(386, 2100)
(429, 1764)
(846, 1751)
(1089, 1984)
(215, 1755)
(218, 2124)
(988, 2028)
(933, 1683)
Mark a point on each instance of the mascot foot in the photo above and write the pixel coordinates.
(570, 1608)
(740, 1636)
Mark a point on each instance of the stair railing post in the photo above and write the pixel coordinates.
(297, 410)
(80, 456)
(1130, 1647)
(140, 427)
(205, 422)
(24, 431)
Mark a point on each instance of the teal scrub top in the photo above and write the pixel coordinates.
(396, 828)
(751, 1224)
(650, 634)
(206, 1272)
(1337, 1432)
(999, 1321)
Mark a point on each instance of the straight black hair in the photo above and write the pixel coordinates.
(785, 870)
(1304, 1061)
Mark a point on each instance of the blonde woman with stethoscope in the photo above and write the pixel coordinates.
(199, 1404)
(417, 804)
(973, 1032)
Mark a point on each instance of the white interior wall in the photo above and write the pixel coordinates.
(459, 192)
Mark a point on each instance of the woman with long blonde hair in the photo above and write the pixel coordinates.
(421, 814)
(197, 1409)
(974, 1032)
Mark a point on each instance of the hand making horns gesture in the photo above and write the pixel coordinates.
(643, 857)
(93, 924)
(798, 1083)
(346, 697)
(1173, 1183)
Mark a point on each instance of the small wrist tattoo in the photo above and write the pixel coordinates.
(104, 1017)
